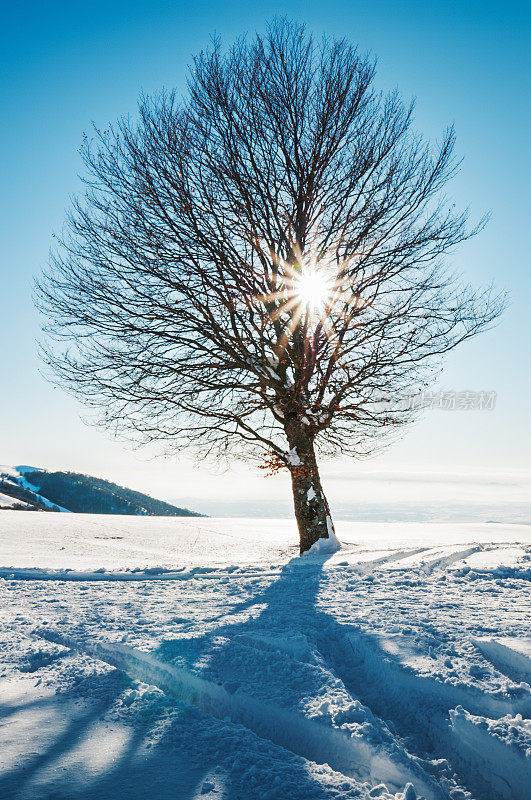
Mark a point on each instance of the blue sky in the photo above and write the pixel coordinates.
(65, 65)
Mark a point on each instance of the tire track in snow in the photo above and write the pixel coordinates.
(304, 737)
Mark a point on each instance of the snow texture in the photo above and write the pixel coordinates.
(186, 659)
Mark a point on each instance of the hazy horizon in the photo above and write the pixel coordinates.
(371, 495)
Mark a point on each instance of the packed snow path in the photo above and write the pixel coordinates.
(204, 660)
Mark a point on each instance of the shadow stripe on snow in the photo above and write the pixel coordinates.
(293, 732)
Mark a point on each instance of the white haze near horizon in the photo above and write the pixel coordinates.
(363, 491)
(367, 494)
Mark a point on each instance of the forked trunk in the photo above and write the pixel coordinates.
(311, 506)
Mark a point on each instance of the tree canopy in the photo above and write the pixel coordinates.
(263, 259)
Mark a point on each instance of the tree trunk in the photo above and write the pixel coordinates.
(311, 506)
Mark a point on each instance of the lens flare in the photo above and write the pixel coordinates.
(313, 287)
(310, 292)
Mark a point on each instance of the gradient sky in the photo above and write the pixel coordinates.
(64, 65)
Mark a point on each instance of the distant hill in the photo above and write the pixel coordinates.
(33, 489)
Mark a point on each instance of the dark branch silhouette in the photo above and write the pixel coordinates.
(258, 270)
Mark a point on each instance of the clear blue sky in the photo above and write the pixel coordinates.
(64, 65)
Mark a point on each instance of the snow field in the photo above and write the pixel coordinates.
(223, 668)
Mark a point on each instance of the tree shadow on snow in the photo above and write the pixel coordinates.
(190, 754)
(271, 650)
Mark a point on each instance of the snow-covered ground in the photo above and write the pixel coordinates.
(178, 658)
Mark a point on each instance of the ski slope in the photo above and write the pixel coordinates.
(179, 658)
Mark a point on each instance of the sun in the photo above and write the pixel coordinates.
(313, 288)
(308, 292)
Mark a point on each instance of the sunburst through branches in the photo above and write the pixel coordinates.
(309, 291)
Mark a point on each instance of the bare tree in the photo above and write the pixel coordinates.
(257, 270)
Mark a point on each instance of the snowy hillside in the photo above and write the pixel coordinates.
(33, 489)
(202, 659)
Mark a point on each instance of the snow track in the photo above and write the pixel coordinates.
(511, 656)
(150, 574)
(494, 764)
(315, 742)
(366, 653)
(412, 702)
(443, 562)
(400, 555)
